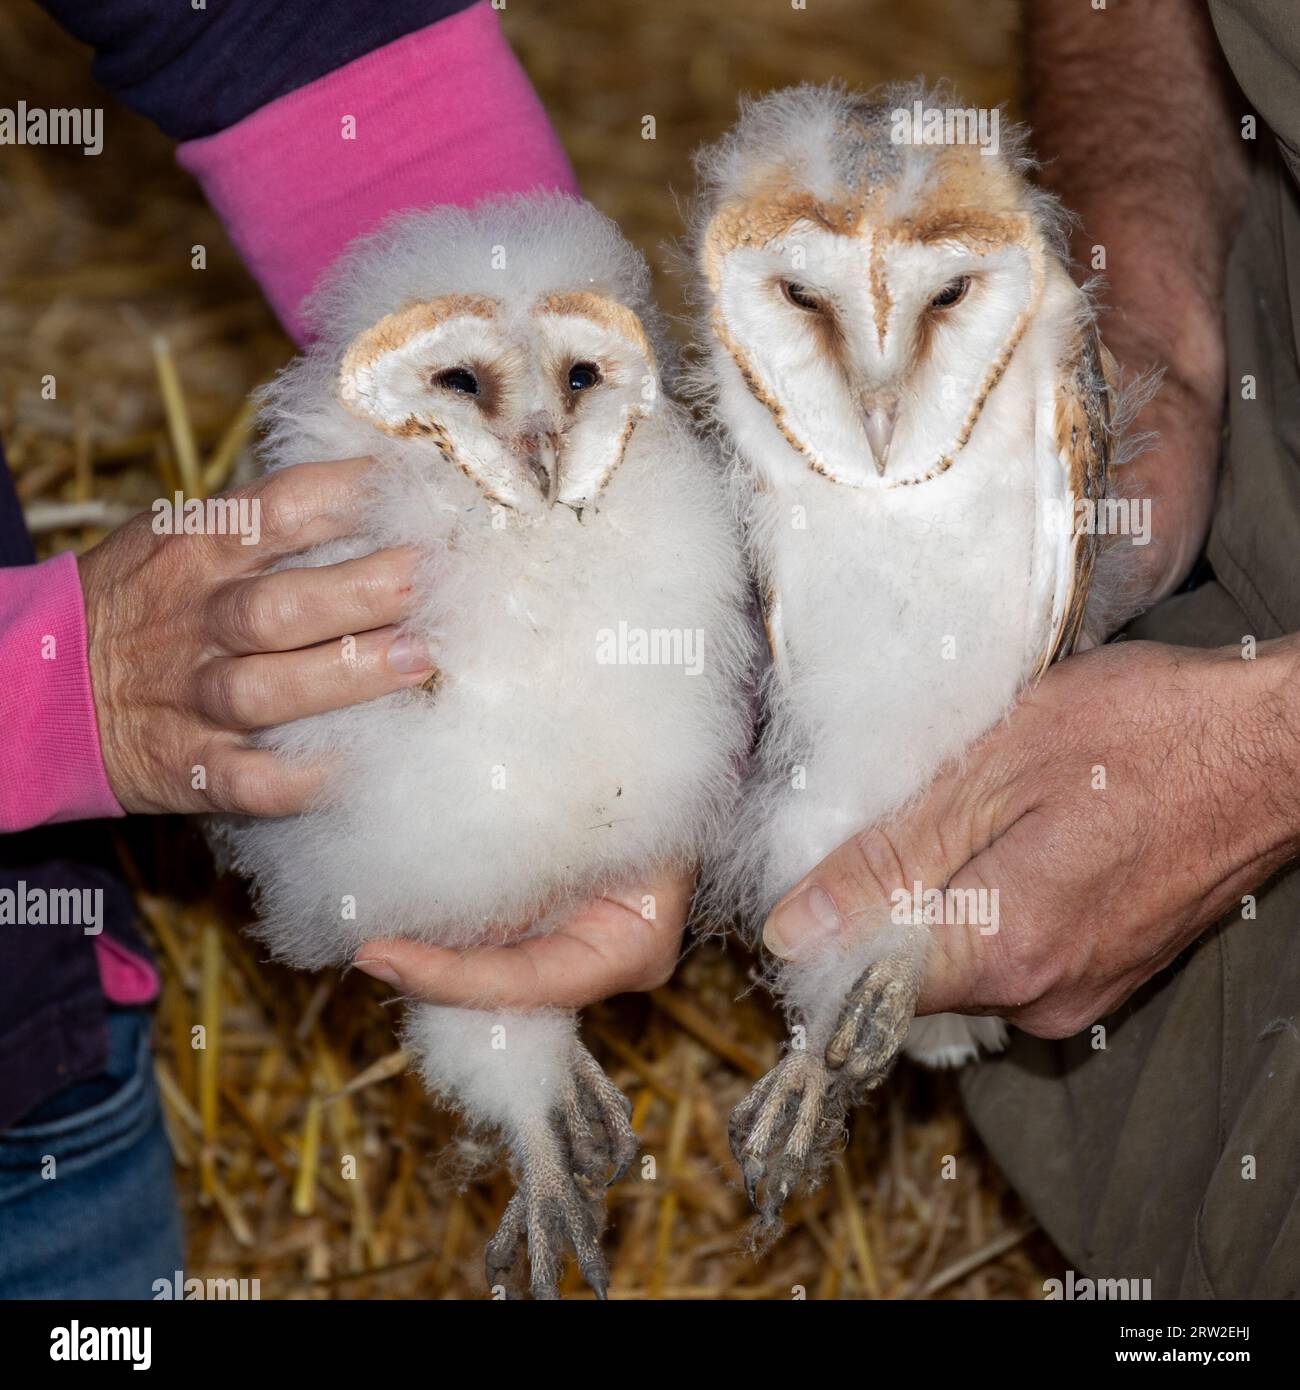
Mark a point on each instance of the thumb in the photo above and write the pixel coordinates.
(885, 876)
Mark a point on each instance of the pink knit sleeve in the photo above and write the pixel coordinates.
(444, 115)
(51, 768)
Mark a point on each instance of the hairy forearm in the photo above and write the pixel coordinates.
(1236, 780)
(1272, 736)
(1133, 116)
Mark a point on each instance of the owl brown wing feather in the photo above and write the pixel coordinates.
(1083, 442)
(769, 600)
(771, 604)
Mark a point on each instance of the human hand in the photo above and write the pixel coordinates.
(192, 645)
(609, 947)
(1132, 798)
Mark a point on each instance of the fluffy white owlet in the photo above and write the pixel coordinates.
(913, 398)
(583, 595)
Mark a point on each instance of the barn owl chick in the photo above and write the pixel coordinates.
(583, 595)
(913, 398)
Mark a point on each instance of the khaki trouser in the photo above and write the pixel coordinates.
(1174, 1154)
(1136, 1159)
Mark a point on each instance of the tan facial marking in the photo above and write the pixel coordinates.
(392, 332)
(881, 301)
(616, 318)
(753, 224)
(608, 313)
(755, 387)
(442, 442)
(974, 202)
(961, 177)
(633, 421)
(979, 232)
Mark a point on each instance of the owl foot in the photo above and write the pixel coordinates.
(873, 1024)
(783, 1133)
(565, 1162)
(549, 1213)
(598, 1124)
(786, 1129)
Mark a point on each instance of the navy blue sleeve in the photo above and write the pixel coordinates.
(194, 72)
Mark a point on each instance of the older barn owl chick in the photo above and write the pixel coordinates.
(583, 595)
(914, 399)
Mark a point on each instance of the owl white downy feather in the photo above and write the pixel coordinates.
(582, 592)
(914, 400)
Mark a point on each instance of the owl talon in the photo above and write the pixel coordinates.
(503, 1249)
(752, 1170)
(782, 1133)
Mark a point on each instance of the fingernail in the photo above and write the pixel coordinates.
(381, 970)
(806, 918)
(409, 654)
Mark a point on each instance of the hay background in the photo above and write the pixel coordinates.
(94, 269)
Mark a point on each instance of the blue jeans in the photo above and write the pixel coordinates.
(87, 1206)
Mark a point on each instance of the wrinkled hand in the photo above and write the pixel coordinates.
(610, 947)
(1133, 797)
(193, 646)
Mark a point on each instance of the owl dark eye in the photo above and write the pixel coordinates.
(952, 293)
(583, 376)
(800, 296)
(458, 379)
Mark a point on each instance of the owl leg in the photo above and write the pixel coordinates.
(787, 1128)
(784, 1131)
(564, 1162)
(565, 1123)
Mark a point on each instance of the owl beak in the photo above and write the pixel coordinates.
(880, 430)
(544, 464)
